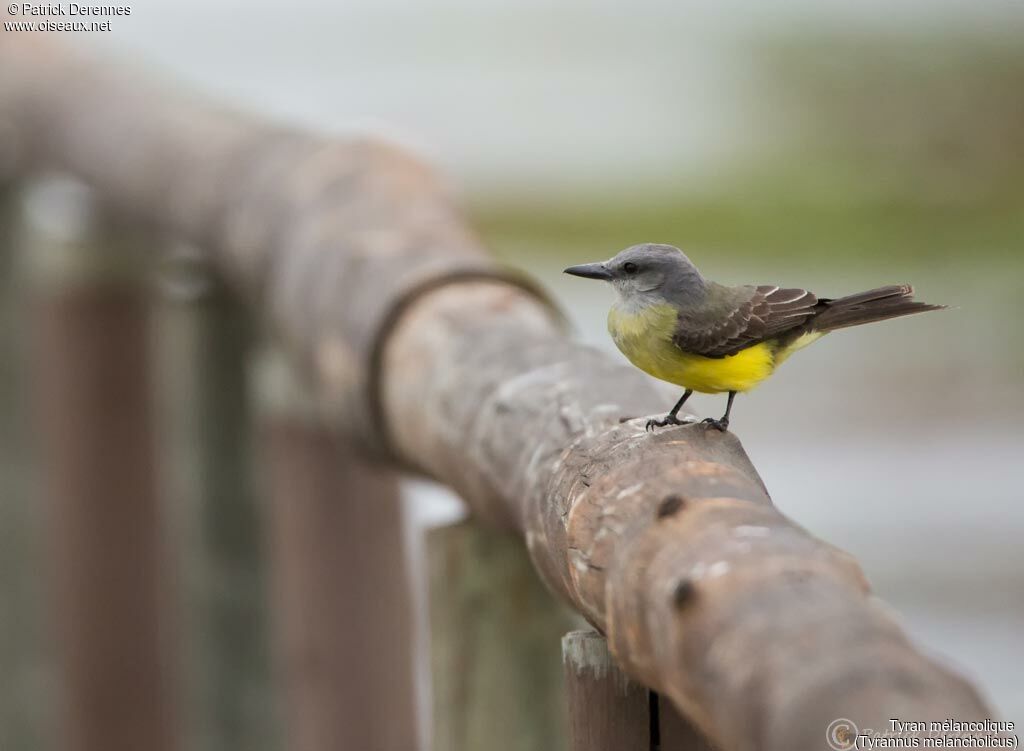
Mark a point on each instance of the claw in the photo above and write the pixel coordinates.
(667, 420)
(722, 425)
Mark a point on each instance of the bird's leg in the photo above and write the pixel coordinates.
(723, 423)
(670, 418)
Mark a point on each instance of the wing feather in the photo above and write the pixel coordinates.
(755, 314)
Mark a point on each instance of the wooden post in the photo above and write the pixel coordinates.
(607, 711)
(204, 340)
(8, 226)
(25, 694)
(340, 582)
(91, 379)
(494, 641)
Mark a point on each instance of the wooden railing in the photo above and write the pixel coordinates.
(406, 347)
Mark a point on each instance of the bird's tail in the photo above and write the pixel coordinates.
(866, 307)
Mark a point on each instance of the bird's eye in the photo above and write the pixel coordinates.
(629, 267)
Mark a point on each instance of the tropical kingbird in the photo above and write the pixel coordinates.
(676, 325)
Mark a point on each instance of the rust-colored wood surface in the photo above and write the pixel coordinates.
(92, 405)
(668, 543)
(342, 607)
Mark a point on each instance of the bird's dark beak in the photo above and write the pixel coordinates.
(590, 271)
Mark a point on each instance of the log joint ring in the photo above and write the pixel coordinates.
(413, 293)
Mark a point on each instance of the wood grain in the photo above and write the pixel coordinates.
(92, 409)
(341, 601)
(494, 644)
(607, 711)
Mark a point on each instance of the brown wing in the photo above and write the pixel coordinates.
(747, 316)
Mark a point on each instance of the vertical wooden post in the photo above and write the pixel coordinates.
(340, 582)
(8, 225)
(204, 340)
(24, 695)
(494, 639)
(92, 404)
(607, 711)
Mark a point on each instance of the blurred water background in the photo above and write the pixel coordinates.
(835, 146)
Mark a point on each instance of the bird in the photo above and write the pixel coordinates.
(678, 326)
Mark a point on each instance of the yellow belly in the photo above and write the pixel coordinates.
(646, 339)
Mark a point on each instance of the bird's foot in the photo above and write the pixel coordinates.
(665, 421)
(722, 425)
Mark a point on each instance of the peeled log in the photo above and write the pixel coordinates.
(667, 543)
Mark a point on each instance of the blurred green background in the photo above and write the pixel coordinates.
(815, 145)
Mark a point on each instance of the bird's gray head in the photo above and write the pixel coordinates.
(649, 270)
